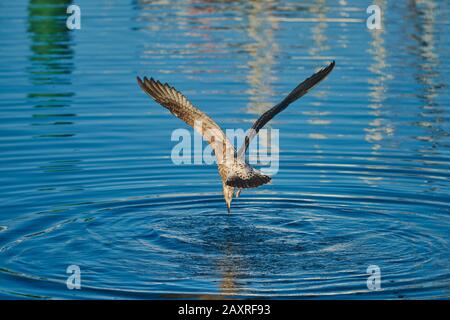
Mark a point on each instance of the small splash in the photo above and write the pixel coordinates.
(3, 228)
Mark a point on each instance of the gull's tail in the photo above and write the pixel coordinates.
(251, 180)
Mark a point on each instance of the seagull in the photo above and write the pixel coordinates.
(235, 172)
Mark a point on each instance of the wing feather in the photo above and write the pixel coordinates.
(182, 108)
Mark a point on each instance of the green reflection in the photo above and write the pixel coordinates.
(50, 41)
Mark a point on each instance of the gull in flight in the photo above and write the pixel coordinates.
(233, 169)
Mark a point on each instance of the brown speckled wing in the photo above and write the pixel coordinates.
(182, 108)
(295, 94)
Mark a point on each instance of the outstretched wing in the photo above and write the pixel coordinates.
(298, 92)
(183, 109)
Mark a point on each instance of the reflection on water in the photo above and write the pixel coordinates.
(262, 50)
(319, 119)
(88, 180)
(319, 29)
(380, 126)
(422, 16)
(229, 266)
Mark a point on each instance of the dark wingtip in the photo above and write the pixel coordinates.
(331, 66)
(328, 68)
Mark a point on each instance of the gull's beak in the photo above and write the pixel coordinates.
(228, 207)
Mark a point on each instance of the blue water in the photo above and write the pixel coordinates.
(87, 178)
